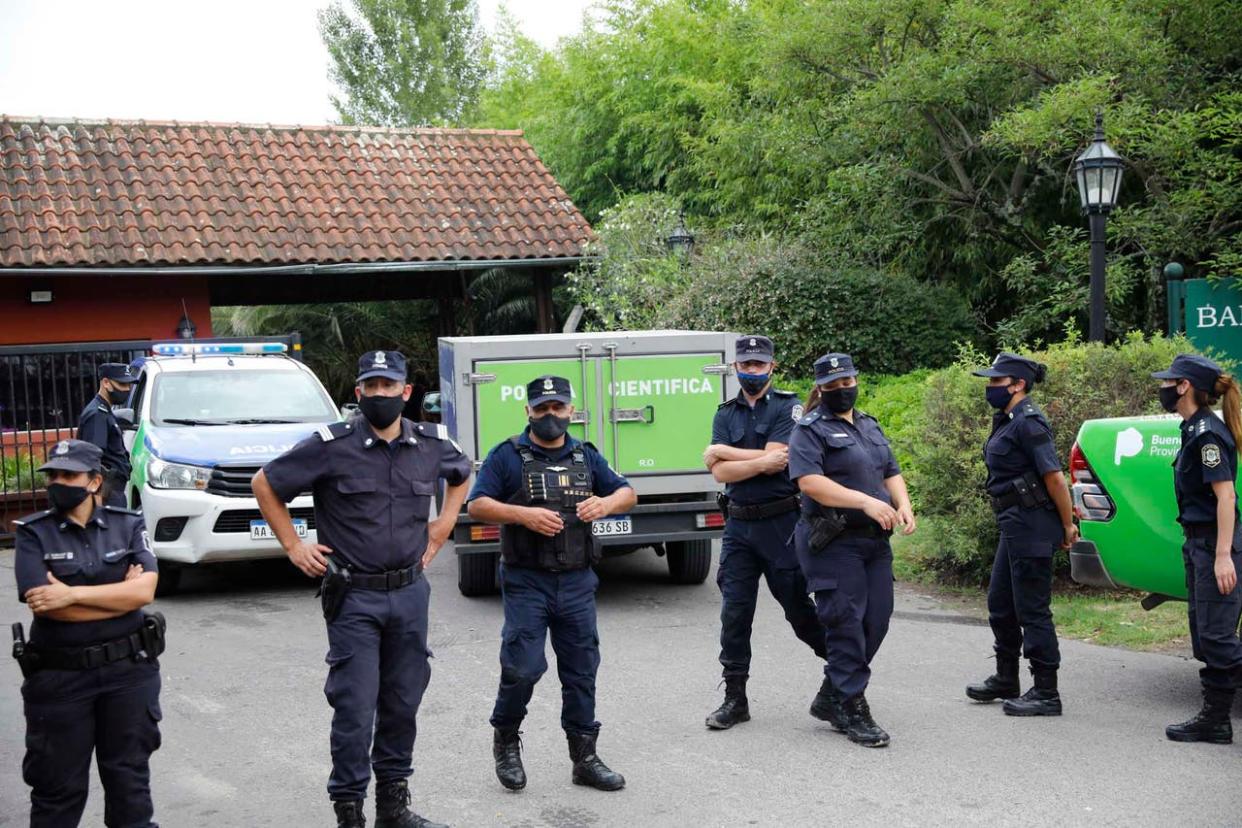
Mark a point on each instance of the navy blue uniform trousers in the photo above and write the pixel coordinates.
(537, 602)
(1213, 617)
(855, 606)
(112, 711)
(378, 669)
(1020, 605)
(750, 550)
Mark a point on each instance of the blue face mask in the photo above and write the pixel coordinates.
(998, 396)
(753, 383)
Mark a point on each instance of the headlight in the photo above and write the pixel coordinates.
(163, 475)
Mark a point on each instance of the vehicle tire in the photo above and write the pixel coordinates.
(689, 561)
(476, 574)
(170, 579)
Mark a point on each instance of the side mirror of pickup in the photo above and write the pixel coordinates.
(125, 416)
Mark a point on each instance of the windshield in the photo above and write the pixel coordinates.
(231, 396)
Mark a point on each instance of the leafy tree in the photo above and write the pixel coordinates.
(405, 62)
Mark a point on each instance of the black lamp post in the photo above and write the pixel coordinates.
(186, 329)
(681, 240)
(1098, 171)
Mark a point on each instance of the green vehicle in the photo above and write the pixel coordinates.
(645, 399)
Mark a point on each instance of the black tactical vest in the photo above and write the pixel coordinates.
(559, 486)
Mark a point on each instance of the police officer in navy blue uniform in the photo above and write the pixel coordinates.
(373, 479)
(545, 488)
(1205, 475)
(1035, 517)
(97, 424)
(92, 681)
(853, 495)
(750, 454)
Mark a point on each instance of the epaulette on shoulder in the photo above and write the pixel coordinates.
(590, 445)
(863, 414)
(330, 431)
(780, 393)
(121, 510)
(809, 418)
(727, 403)
(437, 431)
(37, 516)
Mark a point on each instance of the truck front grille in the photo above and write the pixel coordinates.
(232, 481)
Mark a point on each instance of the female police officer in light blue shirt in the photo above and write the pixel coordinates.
(849, 480)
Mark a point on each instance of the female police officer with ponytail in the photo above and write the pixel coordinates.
(1034, 514)
(853, 495)
(1204, 479)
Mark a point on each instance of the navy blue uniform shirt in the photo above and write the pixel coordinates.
(98, 553)
(97, 424)
(1021, 442)
(770, 420)
(500, 477)
(372, 498)
(1208, 455)
(855, 455)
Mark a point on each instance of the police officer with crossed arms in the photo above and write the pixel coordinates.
(373, 479)
(545, 488)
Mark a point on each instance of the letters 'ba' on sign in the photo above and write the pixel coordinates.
(1214, 315)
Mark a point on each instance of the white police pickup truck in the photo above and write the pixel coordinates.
(205, 417)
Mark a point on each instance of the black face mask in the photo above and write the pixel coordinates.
(753, 383)
(549, 427)
(64, 498)
(381, 411)
(1169, 398)
(839, 400)
(117, 397)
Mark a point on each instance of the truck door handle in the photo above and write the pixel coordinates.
(634, 415)
(718, 370)
(580, 416)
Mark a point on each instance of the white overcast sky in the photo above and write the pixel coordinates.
(252, 61)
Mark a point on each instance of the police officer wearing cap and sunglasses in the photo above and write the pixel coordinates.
(97, 424)
(373, 479)
(1035, 517)
(750, 454)
(1205, 475)
(92, 681)
(853, 495)
(545, 488)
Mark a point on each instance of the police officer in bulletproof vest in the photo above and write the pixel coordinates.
(545, 488)
(373, 479)
(1205, 474)
(1035, 517)
(749, 454)
(97, 424)
(92, 681)
(853, 495)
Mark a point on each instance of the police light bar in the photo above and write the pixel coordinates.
(186, 349)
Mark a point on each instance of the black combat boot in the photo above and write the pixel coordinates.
(1003, 685)
(349, 814)
(392, 807)
(1041, 700)
(1211, 724)
(859, 725)
(589, 769)
(827, 706)
(735, 708)
(507, 751)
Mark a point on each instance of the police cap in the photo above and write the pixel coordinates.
(118, 372)
(547, 388)
(74, 456)
(832, 367)
(1009, 364)
(754, 348)
(1201, 371)
(387, 364)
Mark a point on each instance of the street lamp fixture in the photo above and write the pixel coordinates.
(681, 240)
(186, 329)
(1098, 171)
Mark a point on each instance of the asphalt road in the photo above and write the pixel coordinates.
(245, 722)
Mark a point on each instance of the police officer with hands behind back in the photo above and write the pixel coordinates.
(373, 479)
(97, 424)
(1205, 476)
(853, 495)
(545, 488)
(1035, 516)
(92, 680)
(749, 454)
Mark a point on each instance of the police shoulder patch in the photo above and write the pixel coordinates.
(796, 412)
(1210, 452)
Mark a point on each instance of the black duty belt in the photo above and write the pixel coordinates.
(1199, 530)
(386, 581)
(872, 530)
(147, 642)
(1002, 502)
(761, 511)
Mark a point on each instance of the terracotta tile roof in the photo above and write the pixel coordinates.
(143, 193)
